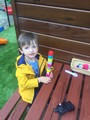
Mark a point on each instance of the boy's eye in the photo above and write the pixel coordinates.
(34, 46)
(26, 47)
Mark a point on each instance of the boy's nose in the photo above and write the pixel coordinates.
(30, 49)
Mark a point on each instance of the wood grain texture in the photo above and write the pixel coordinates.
(64, 48)
(61, 25)
(58, 94)
(15, 17)
(75, 87)
(55, 29)
(18, 111)
(5, 111)
(85, 109)
(54, 14)
(62, 55)
(77, 4)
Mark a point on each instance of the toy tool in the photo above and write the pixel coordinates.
(72, 73)
(49, 63)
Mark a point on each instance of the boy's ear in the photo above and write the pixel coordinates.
(20, 51)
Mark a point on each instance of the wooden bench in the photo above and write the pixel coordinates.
(14, 108)
(62, 87)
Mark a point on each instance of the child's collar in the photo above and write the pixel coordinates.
(22, 59)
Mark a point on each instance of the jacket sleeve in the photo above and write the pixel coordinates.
(23, 80)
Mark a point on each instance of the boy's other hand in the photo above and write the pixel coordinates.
(44, 79)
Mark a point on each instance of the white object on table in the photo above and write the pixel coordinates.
(71, 73)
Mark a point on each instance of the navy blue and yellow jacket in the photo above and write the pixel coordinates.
(27, 81)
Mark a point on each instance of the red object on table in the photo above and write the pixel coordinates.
(85, 66)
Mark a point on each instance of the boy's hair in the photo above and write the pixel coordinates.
(25, 38)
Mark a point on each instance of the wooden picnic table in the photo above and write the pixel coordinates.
(63, 87)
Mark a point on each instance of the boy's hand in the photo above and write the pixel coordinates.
(44, 79)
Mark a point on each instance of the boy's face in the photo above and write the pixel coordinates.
(30, 51)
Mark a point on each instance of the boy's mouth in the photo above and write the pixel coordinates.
(31, 54)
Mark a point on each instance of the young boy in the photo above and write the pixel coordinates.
(30, 66)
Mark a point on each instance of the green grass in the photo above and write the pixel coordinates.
(8, 54)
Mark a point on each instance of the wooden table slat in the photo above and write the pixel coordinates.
(85, 106)
(58, 94)
(74, 96)
(18, 111)
(9, 105)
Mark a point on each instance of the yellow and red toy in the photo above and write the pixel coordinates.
(49, 63)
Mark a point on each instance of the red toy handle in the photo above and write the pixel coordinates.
(51, 53)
